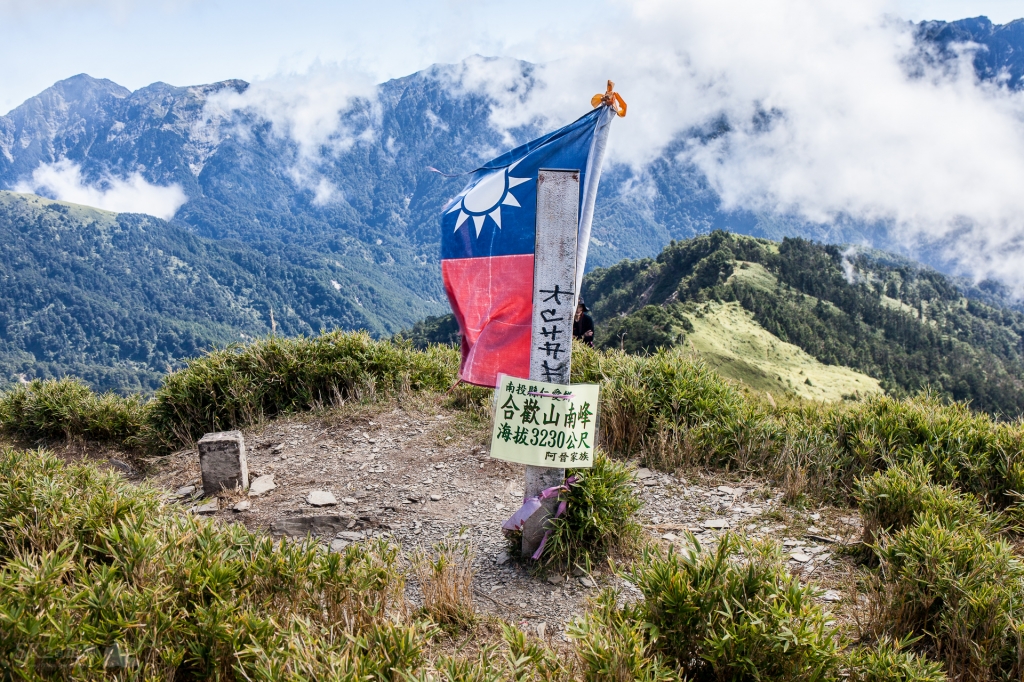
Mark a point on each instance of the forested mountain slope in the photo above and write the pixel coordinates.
(907, 326)
(121, 299)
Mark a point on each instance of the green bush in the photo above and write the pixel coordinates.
(614, 645)
(243, 384)
(599, 516)
(645, 330)
(890, 661)
(669, 408)
(734, 613)
(892, 500)
(957, 588)
(67, 408)
(672, 410)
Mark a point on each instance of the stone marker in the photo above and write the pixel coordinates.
(321, 498)
(261, 485)
(222, 460)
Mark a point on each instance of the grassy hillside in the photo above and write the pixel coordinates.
(736, 346)
(119, 300)
(905, 326)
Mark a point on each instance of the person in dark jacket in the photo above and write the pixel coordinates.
(583, 324)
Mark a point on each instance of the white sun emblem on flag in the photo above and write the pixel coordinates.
(487, 197)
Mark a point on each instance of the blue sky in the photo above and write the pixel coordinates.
(183, 42)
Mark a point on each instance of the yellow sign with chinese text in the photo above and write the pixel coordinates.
(545, 425)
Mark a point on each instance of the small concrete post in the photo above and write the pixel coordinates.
(222, 461)
(554, 304)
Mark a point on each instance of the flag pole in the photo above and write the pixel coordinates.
(562, 242)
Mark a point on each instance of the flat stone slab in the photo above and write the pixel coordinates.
(832, 596)
(321, 498)
(262, 485)
(351, 535)
(800, 557)
(337, 545)
(222, 462)
(644, 472)
(716, 523)
(300, 526)
(241, 506)
(211, 507)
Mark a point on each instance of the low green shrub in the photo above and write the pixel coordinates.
(445, 577)
(243, 384)
(890, 661)
(734, 612)
(957, 588)
(892, 500)
(673, 410)
(67, 408)
(614, 644)
(599, 516)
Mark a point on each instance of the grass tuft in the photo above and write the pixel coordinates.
(445, 577)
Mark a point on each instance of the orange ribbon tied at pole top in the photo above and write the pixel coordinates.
(611, 99)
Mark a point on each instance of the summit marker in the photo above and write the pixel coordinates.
(514, 246)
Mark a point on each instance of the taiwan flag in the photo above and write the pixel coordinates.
(487, 244)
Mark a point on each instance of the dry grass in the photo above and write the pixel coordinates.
(445, 577)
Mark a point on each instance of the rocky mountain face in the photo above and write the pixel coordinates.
(1000, 47)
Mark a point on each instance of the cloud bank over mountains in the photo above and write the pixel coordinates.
(825, 111)
(63, 180)
(313, 109)
(821, 112)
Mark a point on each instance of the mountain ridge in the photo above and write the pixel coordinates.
(349, 217)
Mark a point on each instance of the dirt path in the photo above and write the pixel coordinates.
(417, 472)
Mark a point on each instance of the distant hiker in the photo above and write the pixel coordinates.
(583, 324)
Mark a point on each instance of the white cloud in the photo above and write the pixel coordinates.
(63, 180)
(939, 157)
(323, 111)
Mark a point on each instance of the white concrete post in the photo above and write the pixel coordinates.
(554, 304)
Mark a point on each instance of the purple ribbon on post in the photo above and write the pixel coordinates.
(530, 507)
